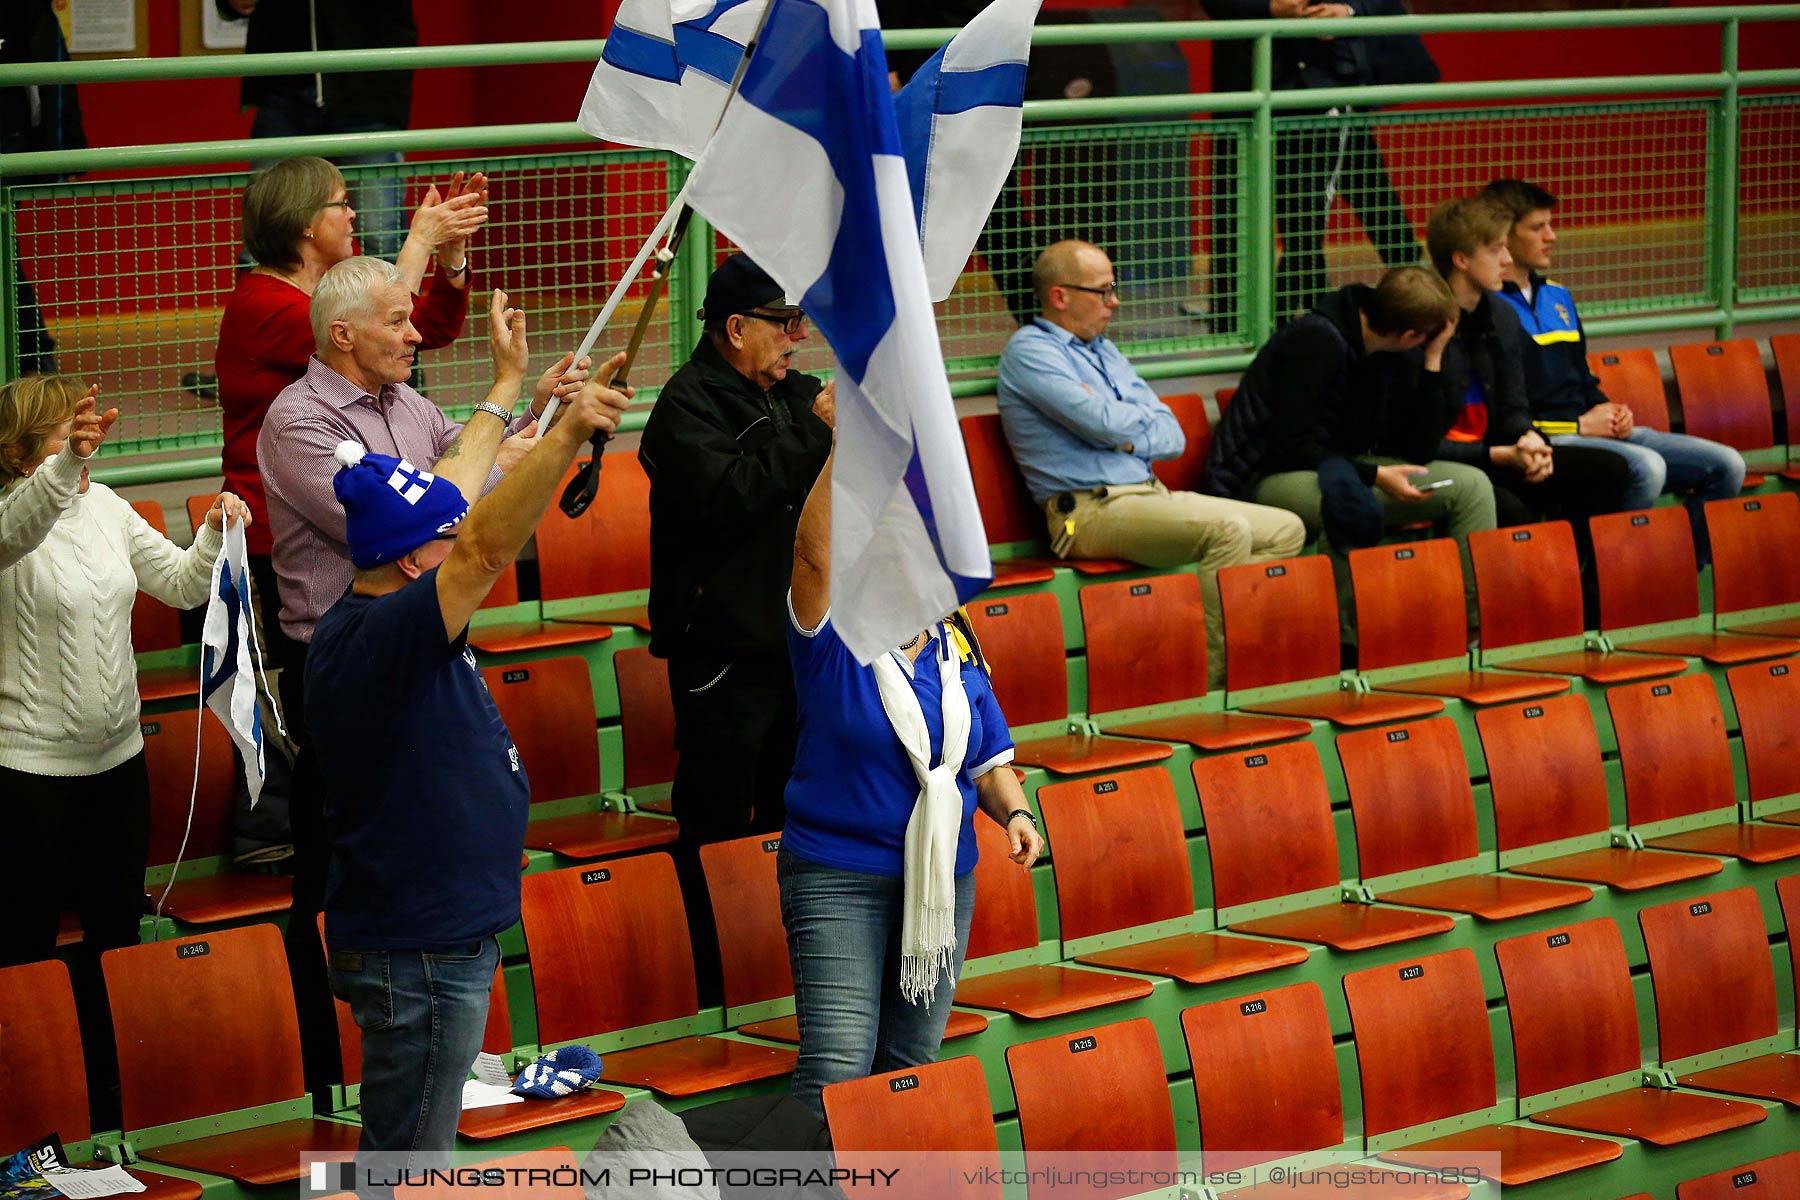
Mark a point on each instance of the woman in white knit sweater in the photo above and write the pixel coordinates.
(73, 556)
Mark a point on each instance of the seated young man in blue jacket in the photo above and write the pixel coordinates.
(1567, 405)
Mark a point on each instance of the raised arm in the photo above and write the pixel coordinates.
(812, 552)
(497, 528)
(467, 461)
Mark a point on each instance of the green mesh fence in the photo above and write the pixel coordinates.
(131, 276)
(1630, 181)
(1769, 199)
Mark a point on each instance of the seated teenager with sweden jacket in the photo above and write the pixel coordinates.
(1340, 416)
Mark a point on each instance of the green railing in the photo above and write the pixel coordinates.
(1679, 209)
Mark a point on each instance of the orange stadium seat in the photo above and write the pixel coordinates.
(1146, 647)
(1122, 864)
(1725, 395)
(1765, 1179)
(1755, 564)
(1415, 813)
(155, 626)
(1266, 1087)
(939, 1109)
(1005, 922)
(1788, 890)
(169, 758)
(1649, 595)
(1183, 472)
(1574, 1021)
(603, 552)
(1767, 700)
(1270, 834)
(1410, 613)
(1786, 348)
(646, 726)
(1548, 787)
(1528, 584)
(1281, 630)
(548, 707)
(1099, 1093)
(1022, 641)
(1715, 994)
(205, 1027)
(1007, 510)
(1676, 763)
(1632, 378)
(753, 950)
(609, 944)
(1425, 1053)
(43, 1081)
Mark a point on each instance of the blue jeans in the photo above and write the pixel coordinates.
(843, 931)
(1691, 467)
(381, 219)
(422, 1016)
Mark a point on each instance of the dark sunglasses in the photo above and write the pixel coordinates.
(790, 323)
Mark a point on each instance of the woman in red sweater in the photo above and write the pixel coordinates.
(298, 223)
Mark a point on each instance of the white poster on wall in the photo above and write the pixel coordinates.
(102, 26)
(216, 33)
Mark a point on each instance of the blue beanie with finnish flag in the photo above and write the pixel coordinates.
(391, 507)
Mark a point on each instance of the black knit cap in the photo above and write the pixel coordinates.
(739, 285)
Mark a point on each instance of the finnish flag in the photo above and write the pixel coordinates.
(227, 667)
(959, 118)
(666, 71)
(808, 176)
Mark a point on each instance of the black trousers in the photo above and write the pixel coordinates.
(735, 729)
(312, 854)
(1313, 165)
(82, 841)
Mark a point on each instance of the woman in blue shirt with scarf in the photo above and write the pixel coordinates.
(877, 863)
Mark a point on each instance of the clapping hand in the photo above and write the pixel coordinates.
(91, 426)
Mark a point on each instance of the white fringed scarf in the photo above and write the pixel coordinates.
(928, 902)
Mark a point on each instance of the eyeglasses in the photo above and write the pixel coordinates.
(1109, 292)
(790, 322)
(335, 204)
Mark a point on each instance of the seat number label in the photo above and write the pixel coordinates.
(1105, 786)
(1416, 971)
(1082, 1045)
(1251, 1007)
(996, 610)
(771, 845)
(1700, 909)
(1140, 589)
(1398, 735)
(1522, 535)
(1535, 711)
(904, 1083)
(1274, 572)
(192, 950)
(1256, 760)
(517, 676)
(1743, 1179)
(1778, 670)
(597, 875)
(1640, 520)
(1556, 939)
(1753, 506)
(1661, 689)
(152, 728)
(1402, 555)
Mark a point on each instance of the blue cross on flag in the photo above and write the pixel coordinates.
(807, 174)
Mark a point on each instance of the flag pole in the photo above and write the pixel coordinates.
(582, 489)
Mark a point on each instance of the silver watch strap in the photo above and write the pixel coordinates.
(490, 407)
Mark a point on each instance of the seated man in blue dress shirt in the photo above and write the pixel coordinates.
(1085, 428)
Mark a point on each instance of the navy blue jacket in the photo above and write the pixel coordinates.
(1558, 383)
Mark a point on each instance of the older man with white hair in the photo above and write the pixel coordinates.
(355, 389)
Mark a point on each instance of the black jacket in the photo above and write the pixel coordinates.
(378, 98)
(1312, 62)
(36, 117)
(725, 496)
(1314, 392)
(1486, 346)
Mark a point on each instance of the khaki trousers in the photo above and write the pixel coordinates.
(1148, 524)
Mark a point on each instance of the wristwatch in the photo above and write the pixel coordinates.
(1021, 812)
(457, 272)
(489, 407)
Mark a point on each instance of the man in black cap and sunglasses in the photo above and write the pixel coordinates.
(732, 448)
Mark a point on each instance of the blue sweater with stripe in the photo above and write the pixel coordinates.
(1557, 380)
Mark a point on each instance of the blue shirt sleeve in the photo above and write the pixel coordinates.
(996, 739)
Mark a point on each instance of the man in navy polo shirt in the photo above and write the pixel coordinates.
(427, 799)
